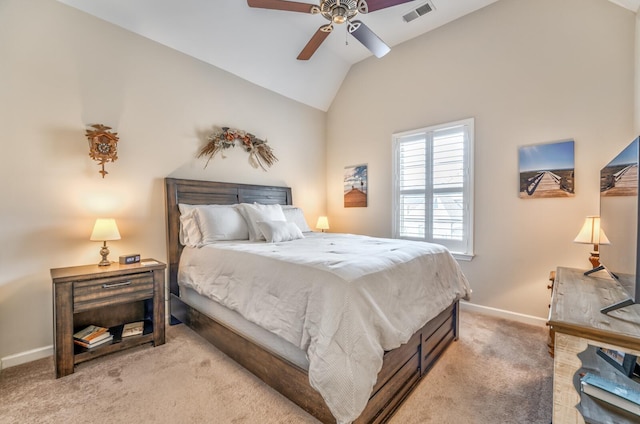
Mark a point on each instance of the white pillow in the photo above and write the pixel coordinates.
(295, 215)
(254, 213)
(221, 222)
(189, 230)
(277, 231)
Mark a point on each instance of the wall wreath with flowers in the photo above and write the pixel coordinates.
(260, 154)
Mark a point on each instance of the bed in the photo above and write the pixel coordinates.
(289, 365)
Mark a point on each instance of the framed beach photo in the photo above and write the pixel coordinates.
(547, 170)
(356, 186)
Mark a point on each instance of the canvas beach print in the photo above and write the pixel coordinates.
(355, 186)
(547, 170)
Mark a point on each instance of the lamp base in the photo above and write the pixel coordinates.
(104, 252)
(595, 263)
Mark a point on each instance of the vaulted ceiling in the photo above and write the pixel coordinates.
(261, 45)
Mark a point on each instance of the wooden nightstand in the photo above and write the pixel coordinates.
(107, 296)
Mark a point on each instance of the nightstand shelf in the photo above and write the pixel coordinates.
(108, 296)
(83, 354)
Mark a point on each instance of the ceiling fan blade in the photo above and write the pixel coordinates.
(373, 5)
(363, 34)
(321, 34)
(291, 6)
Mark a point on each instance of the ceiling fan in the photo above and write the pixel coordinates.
(336, 12)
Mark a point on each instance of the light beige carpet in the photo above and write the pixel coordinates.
(497, 372)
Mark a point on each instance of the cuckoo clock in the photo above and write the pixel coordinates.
(103, 145)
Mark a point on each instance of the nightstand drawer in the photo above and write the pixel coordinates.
(111, 290)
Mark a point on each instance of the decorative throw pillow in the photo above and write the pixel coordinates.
(277, 231)
(296, 215)
(253, 213)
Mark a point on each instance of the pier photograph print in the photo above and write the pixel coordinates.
(547, 170)
(355, 186)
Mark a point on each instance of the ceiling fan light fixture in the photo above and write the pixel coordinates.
(339, 15)
(339, 11)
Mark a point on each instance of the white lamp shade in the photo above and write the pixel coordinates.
(323, 223)
(591, 233)
(105, 229)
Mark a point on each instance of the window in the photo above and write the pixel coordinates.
(433, 186)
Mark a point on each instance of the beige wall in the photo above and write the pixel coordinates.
(529, 72)
(62, 70)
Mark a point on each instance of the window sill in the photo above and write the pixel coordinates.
(463, 256)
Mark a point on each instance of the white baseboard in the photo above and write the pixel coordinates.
(500, 313)
(24, 357)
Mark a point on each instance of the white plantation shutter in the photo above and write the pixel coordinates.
(433, 187)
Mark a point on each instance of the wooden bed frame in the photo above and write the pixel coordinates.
(402, 367)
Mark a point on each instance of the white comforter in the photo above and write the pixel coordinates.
(344, 299)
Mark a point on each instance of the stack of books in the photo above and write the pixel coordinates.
(92, 336)
(611, 392)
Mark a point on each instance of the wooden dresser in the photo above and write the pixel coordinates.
(580, 331)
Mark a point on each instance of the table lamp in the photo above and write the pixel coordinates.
(591, 233)
(105, 229)
(323, 223)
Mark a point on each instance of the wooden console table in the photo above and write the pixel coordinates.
(579, 326)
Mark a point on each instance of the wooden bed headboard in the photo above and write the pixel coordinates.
(195, 192)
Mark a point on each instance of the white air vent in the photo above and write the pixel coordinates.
(419, 11)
